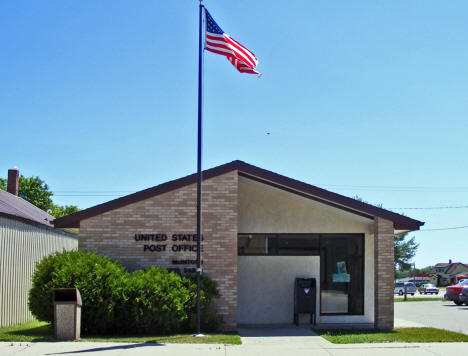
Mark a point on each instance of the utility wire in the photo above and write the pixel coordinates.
(342, 186)
(394, 187)
(93, 191)
(122, 193)
(119, 193)
(88, 195)
(97, 194)
(446, 228)
(434, 208)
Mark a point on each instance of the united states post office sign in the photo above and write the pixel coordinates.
(165, 242)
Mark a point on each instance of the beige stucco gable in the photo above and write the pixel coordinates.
(267, 209)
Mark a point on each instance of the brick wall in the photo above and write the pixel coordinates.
(113, 234)
(384, 274)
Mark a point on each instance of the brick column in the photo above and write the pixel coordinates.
(383, 273)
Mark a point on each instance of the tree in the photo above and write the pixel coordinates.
(36, 191)
(59, 211)
(405, 250)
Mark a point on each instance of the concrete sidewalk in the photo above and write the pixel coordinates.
(256, 342)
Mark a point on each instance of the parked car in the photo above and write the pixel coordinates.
(453, 292)
(400, 288)
(464, 295)
(428, 289)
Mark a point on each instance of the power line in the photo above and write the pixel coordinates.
(446, 228)
(394, 187)
(434, 208)
(97, 194)
(341, 186)
(93, 191)
(88, 195)
(119, 193)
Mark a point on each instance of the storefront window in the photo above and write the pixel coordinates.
(256, 244)
(341, 264)
(342, 274)
(298, 245)
(278, 244)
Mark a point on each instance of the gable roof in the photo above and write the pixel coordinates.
(454, 266)
(401, 222)
(443, 264)
(16, 207)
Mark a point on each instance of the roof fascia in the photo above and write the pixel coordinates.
(297, 187)
(401, 222)
(73, 220)
(34, 223)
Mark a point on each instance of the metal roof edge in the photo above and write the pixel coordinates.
(401, 222)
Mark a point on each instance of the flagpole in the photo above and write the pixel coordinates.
(199, 160)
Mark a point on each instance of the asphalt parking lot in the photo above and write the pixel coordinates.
(437, 314)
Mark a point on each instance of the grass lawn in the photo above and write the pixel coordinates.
(397, 335)
(415, 299)
(233, 339)
(40, 331)
(35, 331)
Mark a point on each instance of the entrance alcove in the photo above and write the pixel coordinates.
(283, 236)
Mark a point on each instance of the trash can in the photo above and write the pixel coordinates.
(305, 293)
(67, 313)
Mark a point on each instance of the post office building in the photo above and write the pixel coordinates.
(260, 231)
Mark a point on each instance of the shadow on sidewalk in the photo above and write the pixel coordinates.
(109, 348)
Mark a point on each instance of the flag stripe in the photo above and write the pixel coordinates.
(219, 51)
(230, 41)
(242, 48)
(241, 67)
(232, 47)
(224, 52)
(225, 38)
(231, 58)
(218, 42)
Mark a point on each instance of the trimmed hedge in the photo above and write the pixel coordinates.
(98, 278)
(209, 321)
(153, 301)
(150, 301)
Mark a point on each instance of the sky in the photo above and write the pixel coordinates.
(366, 98)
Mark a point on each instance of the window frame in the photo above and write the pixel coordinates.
(363, 274)
(319, 254)
(276, 243)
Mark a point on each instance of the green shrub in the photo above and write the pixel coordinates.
(115, 301)
(209, 321)
(153, 301)
(98, 278)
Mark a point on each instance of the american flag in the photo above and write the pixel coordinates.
(217, 41)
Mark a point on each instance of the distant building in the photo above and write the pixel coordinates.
(26, 236)
(445, 274)
(419, 279)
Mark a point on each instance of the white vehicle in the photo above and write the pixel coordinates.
(400, 288)
(428, 289)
